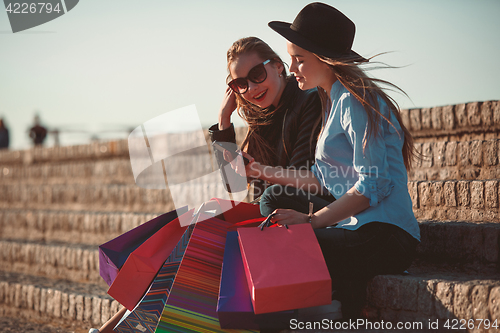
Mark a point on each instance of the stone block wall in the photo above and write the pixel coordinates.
(470, 121)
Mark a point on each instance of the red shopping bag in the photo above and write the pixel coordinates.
(234, 307)
(148, 312)
(236, 211)
(285, 268)
(113, 254)
(143, 264)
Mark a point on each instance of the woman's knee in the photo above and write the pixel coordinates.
(269, 200)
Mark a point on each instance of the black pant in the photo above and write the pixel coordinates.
(352, 256)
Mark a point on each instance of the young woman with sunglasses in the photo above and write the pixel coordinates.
(362, 157)
(282, 119)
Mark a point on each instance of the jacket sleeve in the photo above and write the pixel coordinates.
(232, 181)
(225, 135)
(309, 113)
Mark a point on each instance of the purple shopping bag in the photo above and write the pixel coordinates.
(113, 254)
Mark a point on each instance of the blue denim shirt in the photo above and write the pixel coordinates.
(378, 172)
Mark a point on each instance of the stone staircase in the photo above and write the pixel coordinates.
(455, 192)
(58, 204)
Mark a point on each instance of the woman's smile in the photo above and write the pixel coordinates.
(260, 96)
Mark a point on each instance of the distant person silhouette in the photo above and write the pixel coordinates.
(4, 135)
(38, 133)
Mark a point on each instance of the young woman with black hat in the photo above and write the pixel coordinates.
(282, 119)
(362, 157)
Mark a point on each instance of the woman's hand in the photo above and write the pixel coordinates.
(289, 217)
(252, 169)
(227, 108)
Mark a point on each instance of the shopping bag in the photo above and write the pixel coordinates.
(145, 317)
(234, 307)
(143, 264)
(192, 302)
(113, 254)
(285, 268)
(236, 211)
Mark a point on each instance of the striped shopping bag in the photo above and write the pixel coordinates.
(145, 317)
(192, 303)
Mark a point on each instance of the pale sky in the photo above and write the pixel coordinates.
(113, 65)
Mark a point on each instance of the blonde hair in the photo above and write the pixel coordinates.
(366, 89)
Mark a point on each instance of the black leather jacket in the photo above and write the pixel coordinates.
(290, 131)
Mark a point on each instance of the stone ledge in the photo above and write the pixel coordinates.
(91, 228)
(463, 200)
(474, 245)
(52, 303)
(454, 120)
(420, 296)
(476, 200)
(457, 160)
(104, 171)
(481, 118)
(451, 242)
(97, 197)
(92, 151)
(59, 299)
(78, 263)
(443, 160)
(110, 171)
(423, 296)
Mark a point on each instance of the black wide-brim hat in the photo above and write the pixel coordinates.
(323, 30)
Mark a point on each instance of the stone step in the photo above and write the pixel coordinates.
(125, 198)
(462, 200)
(474, 245)
(425, 295)
(469, 246)
(443, 160)
(110, 171)
(95, 228)
(466, 200)
(103, 197)
(466, 160)
(93, 151)
(432, 293)
(79, 227)
(39, 298)
(478, 159)
(72, 262)
(461, 122)
(90, 152)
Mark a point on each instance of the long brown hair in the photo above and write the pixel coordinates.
(256, 117)
(366, 89)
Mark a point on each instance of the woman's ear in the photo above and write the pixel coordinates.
(279, 66)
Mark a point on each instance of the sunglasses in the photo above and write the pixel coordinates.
(257, 74)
